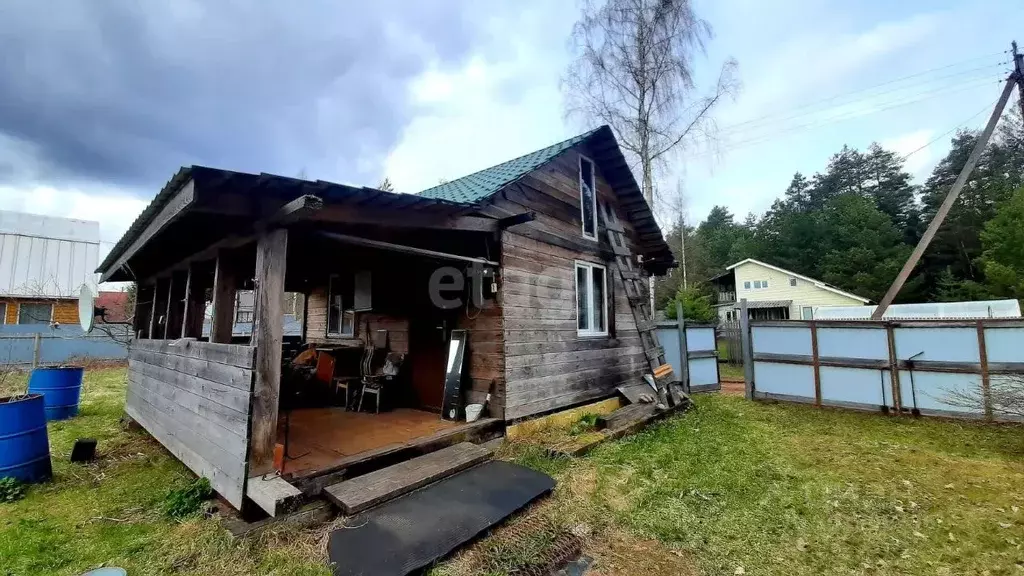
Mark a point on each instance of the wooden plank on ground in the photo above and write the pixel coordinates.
(273, 494)
(625, 415)
(366, 491)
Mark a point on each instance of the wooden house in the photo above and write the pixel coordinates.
(546, 322)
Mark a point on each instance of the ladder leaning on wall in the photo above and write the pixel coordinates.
(635, 285)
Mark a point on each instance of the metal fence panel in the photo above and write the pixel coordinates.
(781, 340)
(1004, 344)
(865, 343)
(944, 344)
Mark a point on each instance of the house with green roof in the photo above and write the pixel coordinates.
(513, 287)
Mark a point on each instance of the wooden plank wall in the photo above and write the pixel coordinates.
(486, 356)
(193, 397)
(316, 323)
(547, 365)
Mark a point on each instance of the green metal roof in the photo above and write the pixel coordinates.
(480, 185)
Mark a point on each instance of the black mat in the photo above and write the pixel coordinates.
(422, 527)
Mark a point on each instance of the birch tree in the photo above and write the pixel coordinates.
(634, 70)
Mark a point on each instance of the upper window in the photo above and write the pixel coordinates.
(591, 299)
(588, 199)
(3, 312)
(792, 281)
(341, 315)
(807, 313)
(757, 284)
(35, 313)
(746, 285)
(764, 283)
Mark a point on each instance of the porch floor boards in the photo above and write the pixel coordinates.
(320, 438)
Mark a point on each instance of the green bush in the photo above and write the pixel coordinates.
(697, 307)
(183, 502)
(11, 490)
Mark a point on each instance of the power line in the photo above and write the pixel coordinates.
(950, 131)
(767, 119)
(765, 137)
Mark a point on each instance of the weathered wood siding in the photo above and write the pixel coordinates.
(486, 356)
(193, 397)
(547, 364)
(316, 323)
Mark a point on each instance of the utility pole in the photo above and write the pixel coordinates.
(682, 229)
(1018, 70)
(1015, 79)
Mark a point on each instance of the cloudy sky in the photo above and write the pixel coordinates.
(101, 102)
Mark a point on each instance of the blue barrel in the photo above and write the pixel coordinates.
(60, 387)
(24, 446)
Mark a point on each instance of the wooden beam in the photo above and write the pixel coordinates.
(301, 208)
(174, 207)
(817, 364)
(166, 332)
(345, 214)
(894, 368)
(273, 494)
(940, 214)
(267, 337)
(225, 283)
(356, 240)
(150, 333)
(684, 355)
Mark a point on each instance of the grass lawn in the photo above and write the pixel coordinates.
(109, 512)
(730, 487)
(736, 487)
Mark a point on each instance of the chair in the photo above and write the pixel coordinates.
(346, 383)
(374, 384)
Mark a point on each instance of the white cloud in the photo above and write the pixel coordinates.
(502, 103)
(912, 142)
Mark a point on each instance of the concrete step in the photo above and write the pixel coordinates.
(369, 490)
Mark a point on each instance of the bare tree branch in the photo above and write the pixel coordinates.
(634, 71)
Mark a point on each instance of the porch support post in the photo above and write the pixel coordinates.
(195, 288)
(267, 337)
(225, 282)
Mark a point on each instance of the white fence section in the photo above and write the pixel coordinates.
(701, 351)
(916, 366)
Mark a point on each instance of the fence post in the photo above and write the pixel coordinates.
(816, 362)
(894, 368)
(36, 343)
(684, 357)
(986, 390)
(746, 345)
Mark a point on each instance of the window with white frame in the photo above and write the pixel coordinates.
(588, 199)
(807, 313)
(757, 284)
(591, 299)
(764, 283)
(341, 315)
(35, 313)
(746, 285)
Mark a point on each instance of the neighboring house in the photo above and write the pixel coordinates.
(497, 286)
(115, 306)
(774, 293)
(44, 262)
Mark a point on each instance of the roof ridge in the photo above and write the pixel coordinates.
(450, 190)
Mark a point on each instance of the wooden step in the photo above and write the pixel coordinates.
(371, 489)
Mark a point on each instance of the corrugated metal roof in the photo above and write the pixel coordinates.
(480, 185)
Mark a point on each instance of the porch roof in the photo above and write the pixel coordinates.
(248, 196)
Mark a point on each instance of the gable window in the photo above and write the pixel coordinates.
(764, 283)
(591, 299)
(588, 199)
(35, 313)
(757, 284)
(341, 315)
(792, 281)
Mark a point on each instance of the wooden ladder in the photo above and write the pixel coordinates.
(637, 292)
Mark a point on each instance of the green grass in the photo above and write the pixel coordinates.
(726, 370)
(110, 512)
(791, 490)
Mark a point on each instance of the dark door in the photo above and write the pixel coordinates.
(428, 336)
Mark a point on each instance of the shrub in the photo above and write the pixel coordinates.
(183, 502)
(11, 490)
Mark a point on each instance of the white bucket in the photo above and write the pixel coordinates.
(473, 412)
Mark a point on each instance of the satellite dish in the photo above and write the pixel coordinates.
(86, 309)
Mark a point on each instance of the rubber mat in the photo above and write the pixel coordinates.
(418, 529)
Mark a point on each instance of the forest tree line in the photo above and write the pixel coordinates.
(854, 224)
